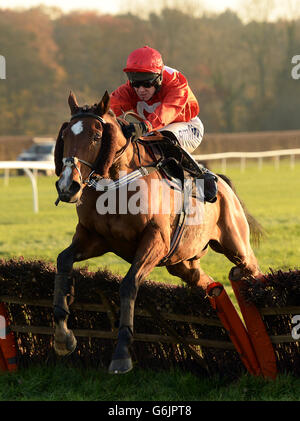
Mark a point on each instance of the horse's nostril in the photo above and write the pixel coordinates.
(67, 195)
(74, 188)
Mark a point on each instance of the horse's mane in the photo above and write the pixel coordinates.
(108, 150)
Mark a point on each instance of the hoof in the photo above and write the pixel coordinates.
(120, 366)
(64, 343)
(236, 274)
(216, 291)
(260, 277)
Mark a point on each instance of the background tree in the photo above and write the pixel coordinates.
(240, 70)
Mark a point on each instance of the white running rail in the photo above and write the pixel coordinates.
(29, 167)
(247, 155)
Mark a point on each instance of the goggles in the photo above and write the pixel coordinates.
(148, 83)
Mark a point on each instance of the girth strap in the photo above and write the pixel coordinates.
(176, 237)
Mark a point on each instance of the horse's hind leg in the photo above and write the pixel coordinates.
(234, 243)
(243, 257)
(84, 246)
(191, 273)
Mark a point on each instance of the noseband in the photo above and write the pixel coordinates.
(73, 161)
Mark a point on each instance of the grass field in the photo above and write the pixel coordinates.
(271, 196)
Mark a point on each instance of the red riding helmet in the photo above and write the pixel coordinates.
(144, 59)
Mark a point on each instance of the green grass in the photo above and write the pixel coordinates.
(62, 383)
(271, 196)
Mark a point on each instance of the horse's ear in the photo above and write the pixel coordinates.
(103, 106)
(73, 104)
(59, 150)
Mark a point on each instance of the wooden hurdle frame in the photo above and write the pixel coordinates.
(252, 343)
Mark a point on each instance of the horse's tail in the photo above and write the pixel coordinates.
(257, 232)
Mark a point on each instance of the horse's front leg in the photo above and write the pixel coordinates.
(151, 250)
(84, 246)
(64, 339)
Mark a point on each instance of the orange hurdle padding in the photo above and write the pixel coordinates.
(257, 333)
(8, 349)
(235, 327)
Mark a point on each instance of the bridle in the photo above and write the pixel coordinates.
(73, 161)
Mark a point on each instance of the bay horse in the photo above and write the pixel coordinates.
(92, 144)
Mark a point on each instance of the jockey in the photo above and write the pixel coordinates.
(163, 99)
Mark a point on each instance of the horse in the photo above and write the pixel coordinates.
(91, 147)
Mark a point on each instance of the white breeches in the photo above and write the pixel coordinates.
(189, 135)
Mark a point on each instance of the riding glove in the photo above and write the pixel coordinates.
(135, 130)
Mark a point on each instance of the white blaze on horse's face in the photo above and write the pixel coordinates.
(69, 189)
(77, 128)
(66, 176)
(65, 179)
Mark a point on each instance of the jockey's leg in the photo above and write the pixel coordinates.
(188, 134)
(189, 137)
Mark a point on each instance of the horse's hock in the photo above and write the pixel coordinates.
(174, 325)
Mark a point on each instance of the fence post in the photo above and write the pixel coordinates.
(243, 164)
(6, 176)
(224, 165)
(292, 162)
(34, 189)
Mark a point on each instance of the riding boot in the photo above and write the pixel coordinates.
(198, 171)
